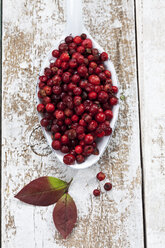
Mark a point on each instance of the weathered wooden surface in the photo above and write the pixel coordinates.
(115, 220)
(151, 47)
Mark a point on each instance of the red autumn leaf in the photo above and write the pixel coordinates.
(65, 215)
(43, 191)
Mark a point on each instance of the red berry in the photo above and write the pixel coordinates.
(80, 59)
(57, 136)
(109, 114)
(50, 107)
(114, 89)
(40, 108)
(88, 139)
(82, 123)
(68, 121)
(73, 63)
(80, 109)
(69, 159)
(66, 77)
(80, 129)
(55, 53)
(83, 36)
(107, 73)
(74, 118)
(77, 100)
(48, 90)
(78, 149)
(96, 192)
(64, 149)
(82, 70)
(65, 57)
(77, 91)
(64, 139)
(80, 159)
(103, 96)
(87, 43)
(63, 47)
(88, 150)
(77, 40)
(68, 112)
(69, 39)
(59, 114)
(107, 186)
(81, 49)
(100, 117)
(104, 56)
(94, 79)
(113, 101)
(75, 78)
(56, 144)
(92, 95)
(92, 125)
(100, 176)
(44, 122)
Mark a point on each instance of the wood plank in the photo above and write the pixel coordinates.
(151, 54)
(114, 220)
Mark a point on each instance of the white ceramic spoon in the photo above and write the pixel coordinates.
(75, 27)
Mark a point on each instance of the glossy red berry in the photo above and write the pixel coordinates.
(104, 56)
(107, 186)
(77, 40)
(103, 96)
(100, 176)
(44, 122)
(78, 149)
(57, 136)
(50, 107)
(94, 79)
(113, 101)
(59, 114)
(74, 118)
(109, 114)
(80, 159)
(82, 70)
(40, 108)
(65, 57)
(100, 117)
(96, 192)
(114, 89)
(69, 39)
(92, 125)
(88, 139)
(92, 95)
(69, 159)
(55, 53)
(64, 139)
(56, 144)
(87, 43)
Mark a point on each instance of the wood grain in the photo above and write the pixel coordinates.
(151, 53)
(115, 220)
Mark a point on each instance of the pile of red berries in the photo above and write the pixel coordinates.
(77, 97)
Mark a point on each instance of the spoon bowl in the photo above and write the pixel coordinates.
(74, 26)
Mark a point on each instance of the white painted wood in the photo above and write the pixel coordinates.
(113, 220)
(151, 53)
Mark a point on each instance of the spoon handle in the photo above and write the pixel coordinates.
(74, 17)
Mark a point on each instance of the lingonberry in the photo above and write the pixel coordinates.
(72, 46)
(77, 100)
(75, 78)
(113, 101)
(102, 76)
(65, 57)
(66, 77)
(63, 47)
(44, 122)
(73, 63)
(107, 186)
(109, 114)
(81, 49)
(80, 59)
(59, 114)
(94, 79)
(56, 80)
(57, 136)
(108, 131)
(104, 56)
(40, 108)
(61, 105)
(92, 125)
(80, 159)
(80, 129)
(100, 117)
(68, 121)
(58, 63)
(71, 86)
(103, 96)
(81, 136)
(96, 192)
(87, 118)
(57, 90)
(50, 107)
(94, 109)
(72, 134)
(41, 85)
(100, 176)
(69, 39)
(56, 144)
(88, 139)
(82, 123)
(55, 53)
(48, 90)
(107, 73)
(64, 139)
(74, 118)
(80, 109)
(82, 70)
(88, 150)
(64, 149)
(47, 71)
(114, 89)
(68, 112)
(64, 66)
(69, 159)
(78, 149)
(92, 95)
(55, 128)
(87, 43)
(83, 36)
(77, 91)
(77, 40)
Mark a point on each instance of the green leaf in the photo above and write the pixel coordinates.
(65, 215)
(43, 191)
